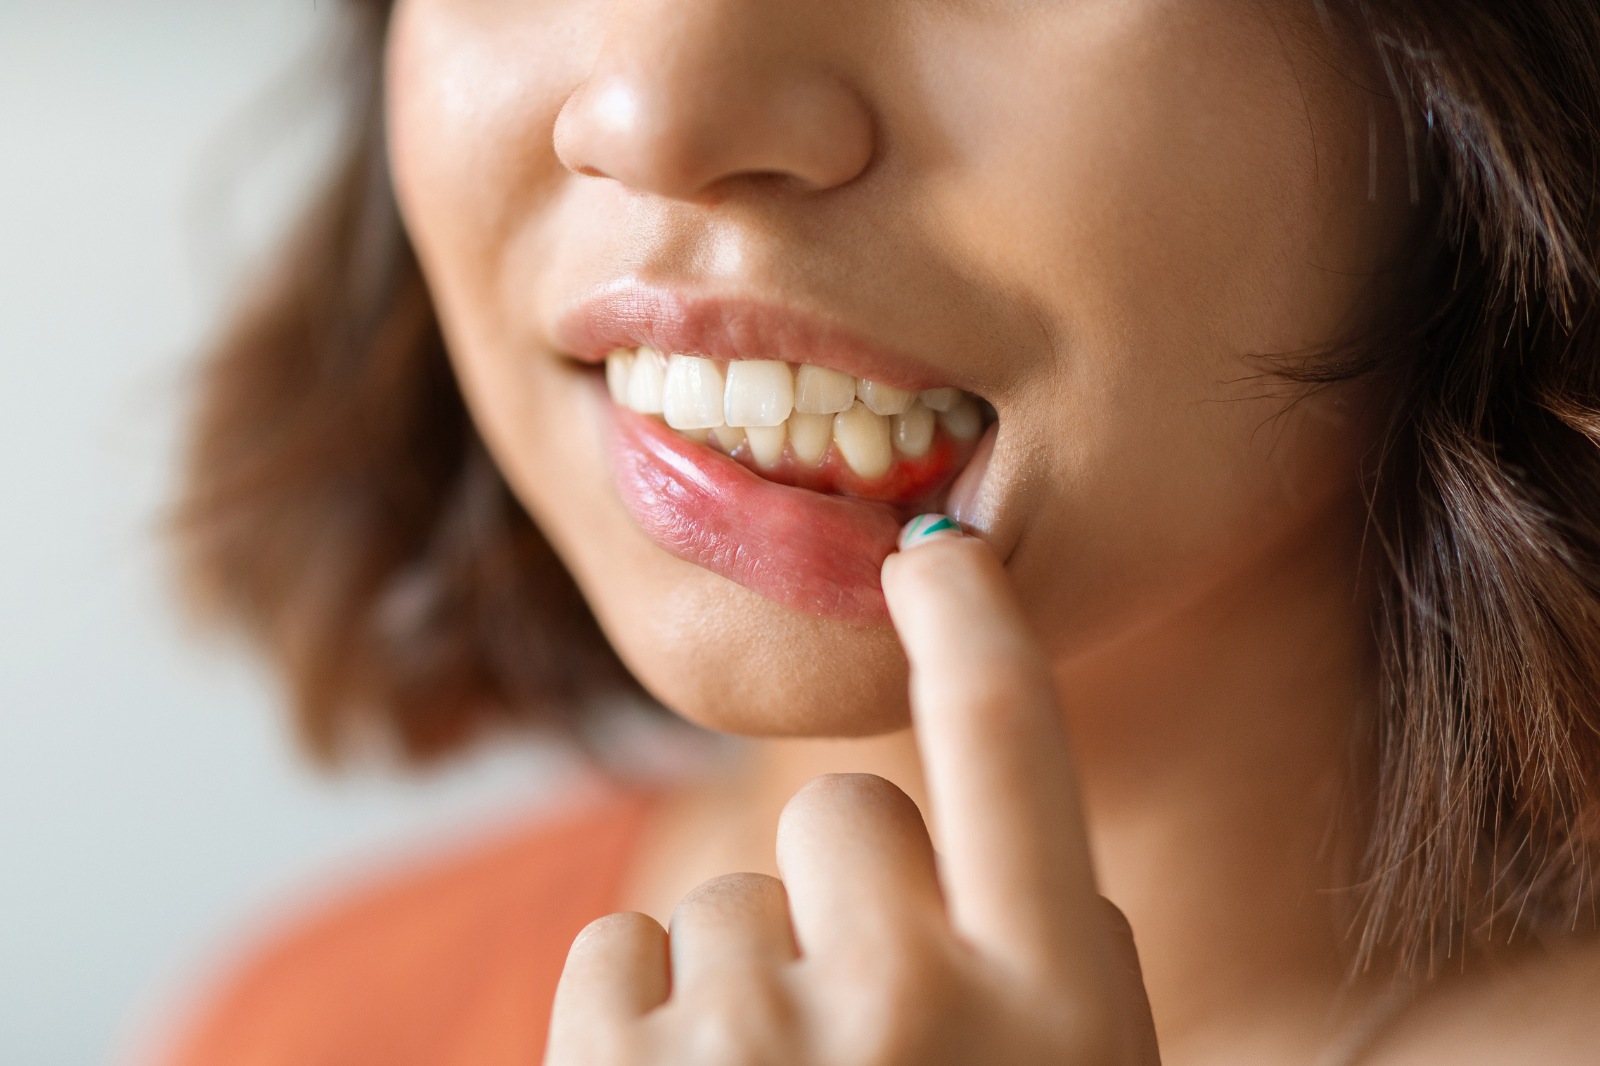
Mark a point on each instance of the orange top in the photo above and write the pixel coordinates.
(452, 965)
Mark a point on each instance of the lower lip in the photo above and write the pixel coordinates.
(812, 552)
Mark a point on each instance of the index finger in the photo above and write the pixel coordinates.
(1001, 783)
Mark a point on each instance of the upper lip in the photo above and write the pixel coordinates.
(630, 313)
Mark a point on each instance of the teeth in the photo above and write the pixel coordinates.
(647, 382)
(766, 444)
(963, 421)
(810, 435)
(767, 405)
(692, 395)
(823, 392)
(913, 431)
(728, 437)
(863, 440)
(619, 368)
(883, 399)
(760, 393)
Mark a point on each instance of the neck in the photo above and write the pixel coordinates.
(1210, 750)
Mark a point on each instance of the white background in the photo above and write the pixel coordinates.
(149, 799)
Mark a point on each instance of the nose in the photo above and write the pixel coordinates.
(687, 96)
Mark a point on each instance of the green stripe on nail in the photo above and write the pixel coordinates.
(925, 526)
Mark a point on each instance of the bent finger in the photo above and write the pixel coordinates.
(616, 971)
(736, 924)
(1001, 782)
(857, 863)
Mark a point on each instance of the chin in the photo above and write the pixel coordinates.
(728, 659)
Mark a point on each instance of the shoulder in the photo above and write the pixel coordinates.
(453, 960)
(1542, 1008)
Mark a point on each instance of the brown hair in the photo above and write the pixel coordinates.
(340, 507)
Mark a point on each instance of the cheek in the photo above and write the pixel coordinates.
(473, 91)
(1187, 176)
(1202, 199)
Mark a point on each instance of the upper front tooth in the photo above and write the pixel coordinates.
(823, 392)
(863, 440)
(760, 392)
(883, 399)
(647, 382)
(619, 368)
(939, 399)
(692, 394)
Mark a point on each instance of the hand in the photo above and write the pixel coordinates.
(869, 950)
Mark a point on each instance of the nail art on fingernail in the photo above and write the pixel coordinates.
(926, 527)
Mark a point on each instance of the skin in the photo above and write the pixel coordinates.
(1096, 215)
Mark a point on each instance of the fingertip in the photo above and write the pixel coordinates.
(616, 968)
(927, 527)
(618, 927)
(937, 567)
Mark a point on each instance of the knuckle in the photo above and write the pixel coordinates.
(831, 795)
(726, 887)
(730, 896)
(623, 925)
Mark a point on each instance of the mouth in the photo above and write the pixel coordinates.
(752, 441)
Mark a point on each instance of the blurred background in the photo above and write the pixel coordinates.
(151, 805)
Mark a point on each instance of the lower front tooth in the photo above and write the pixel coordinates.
(863, 440)
(913, 431)
(766, 444)
(728, 438)
(810, 435)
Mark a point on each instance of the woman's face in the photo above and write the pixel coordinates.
(1092, 214)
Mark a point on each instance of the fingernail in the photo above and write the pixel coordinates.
(926, 527)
